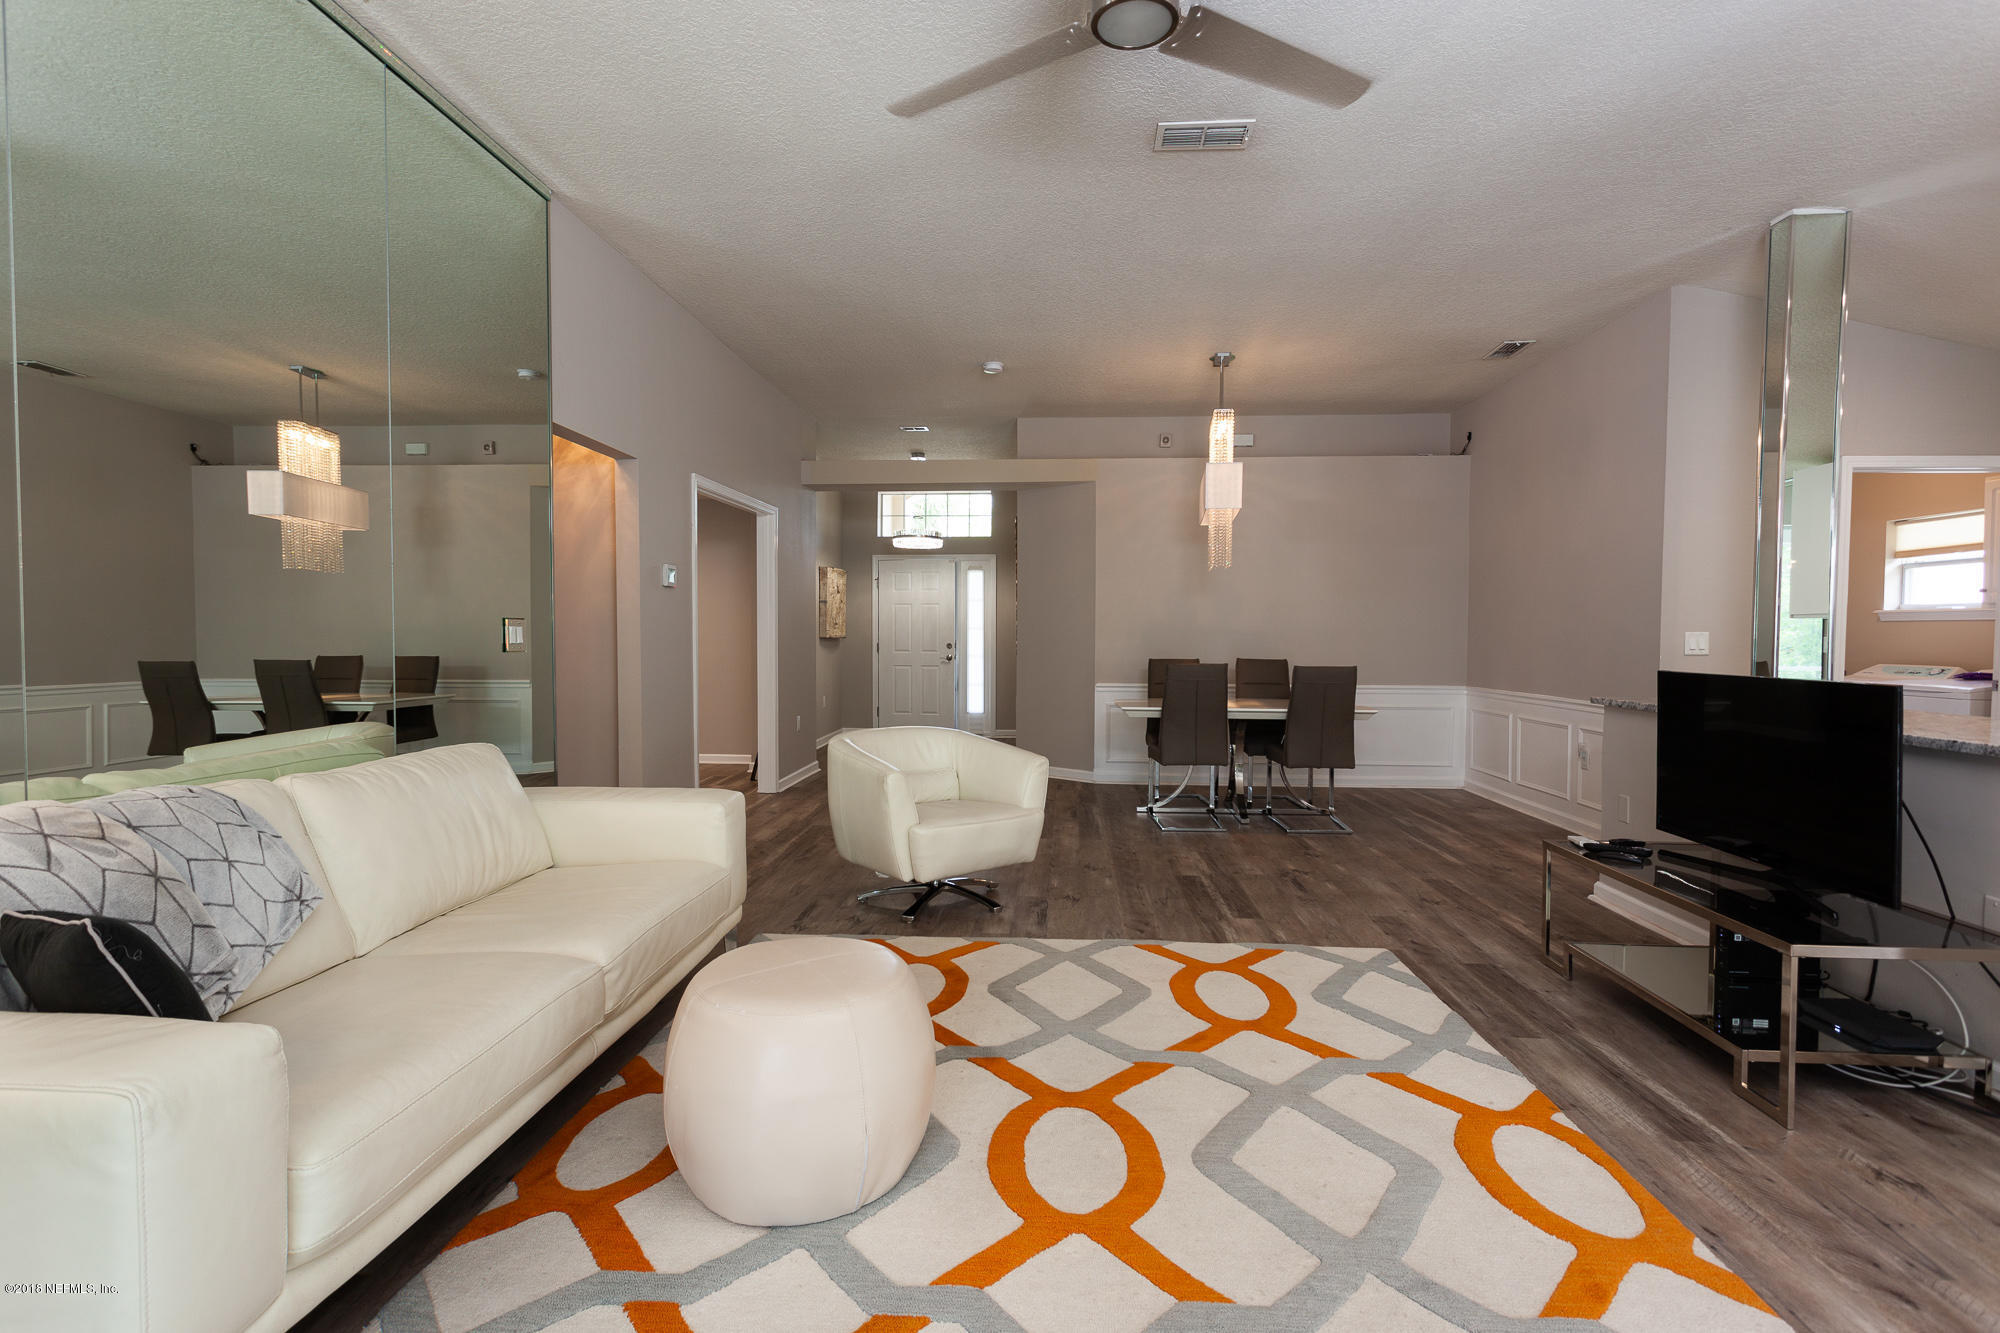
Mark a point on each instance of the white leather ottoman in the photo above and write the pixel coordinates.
(798, 1079)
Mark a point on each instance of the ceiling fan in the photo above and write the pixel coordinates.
(1201, 36)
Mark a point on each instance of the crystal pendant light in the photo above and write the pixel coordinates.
(305, 495)
(1222, 479)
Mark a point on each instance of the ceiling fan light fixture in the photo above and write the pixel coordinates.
(1134, 25)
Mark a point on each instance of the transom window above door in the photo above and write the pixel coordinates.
(946, 513)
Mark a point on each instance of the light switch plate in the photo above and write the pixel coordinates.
(670, 576)
(1697, 643)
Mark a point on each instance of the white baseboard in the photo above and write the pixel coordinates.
(1540, 754)
(1415, 739)
(1655, 916)
(743, 760)
(820, 744)
(792, 780)
(1072, 775)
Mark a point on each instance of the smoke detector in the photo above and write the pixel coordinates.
(990, 367)
(1512, 347)
(1194, 136)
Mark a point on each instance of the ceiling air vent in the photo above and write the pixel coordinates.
(1193, 136)
(1512, 347)
(48, 369)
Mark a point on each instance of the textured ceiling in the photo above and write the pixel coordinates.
(208, 191)
(1521, 170)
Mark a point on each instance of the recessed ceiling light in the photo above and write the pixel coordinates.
(921, 430)
(527, 373)
(991, 368)
(916, 455)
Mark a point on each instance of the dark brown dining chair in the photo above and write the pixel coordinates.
(1261, 678)
(1319, 733)
(290, 694)
(1194, 732)
(1156, 686)
(340, 675)
(182, 714)
(415, 675)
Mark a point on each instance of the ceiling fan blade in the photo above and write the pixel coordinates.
(1221, 43)
(1042, 51)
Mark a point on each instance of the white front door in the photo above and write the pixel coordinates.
(915, 649)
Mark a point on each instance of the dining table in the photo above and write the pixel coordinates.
(1240, 710)
(344, 701)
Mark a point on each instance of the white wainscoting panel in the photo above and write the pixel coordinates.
(75, 729)
(1538, 754)
(1415, 739)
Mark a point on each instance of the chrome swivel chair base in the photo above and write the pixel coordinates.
(1334, 825)
(1159, 810)
(964, 885)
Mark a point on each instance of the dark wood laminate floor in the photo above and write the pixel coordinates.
(1880, 1212)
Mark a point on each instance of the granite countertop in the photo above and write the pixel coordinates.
(1952, 733)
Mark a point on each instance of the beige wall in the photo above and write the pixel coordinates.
(726, 588)
(108, 536)
(1880, 498)
(1054, 684)
(1276, 436)
(632, 370)
(1337, 561)
(827, 652)
(860, 545)
(586, 628)
(1907, 394)
(1709, 496)
(1568, 467)
(462, 551)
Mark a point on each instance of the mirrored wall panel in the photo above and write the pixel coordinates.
(1799, 444)
(280, 362)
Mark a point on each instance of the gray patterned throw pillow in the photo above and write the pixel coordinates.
(201, 872)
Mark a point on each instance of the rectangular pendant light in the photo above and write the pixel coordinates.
(305, 495)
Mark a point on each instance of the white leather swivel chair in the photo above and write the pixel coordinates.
(930, 806)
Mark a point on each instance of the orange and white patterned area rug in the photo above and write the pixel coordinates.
(1126, 1136)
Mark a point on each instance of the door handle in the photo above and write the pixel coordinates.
(950, 651)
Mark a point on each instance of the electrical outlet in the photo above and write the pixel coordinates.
(1625, 809)
(1582, 755)
(1697, 644)
(490, 447)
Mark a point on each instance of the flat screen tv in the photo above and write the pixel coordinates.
(1802, 777)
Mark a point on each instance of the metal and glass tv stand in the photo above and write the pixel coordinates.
(1679, 979)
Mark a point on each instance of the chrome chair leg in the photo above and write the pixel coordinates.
(1209, 819)
(1159, 808)
(1337, 825)
(964, 885)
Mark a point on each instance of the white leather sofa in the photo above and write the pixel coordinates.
(480, 944)
(931, 805)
